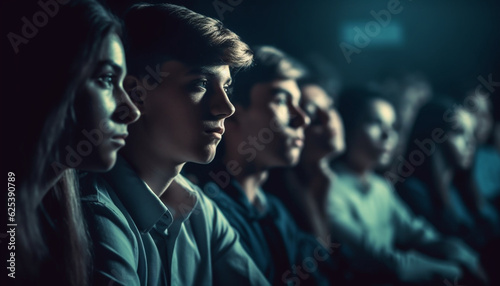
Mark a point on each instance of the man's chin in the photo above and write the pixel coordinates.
(203, 159)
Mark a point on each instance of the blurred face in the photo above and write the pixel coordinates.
(482, 111)
(375, 137)
(183, 117)
(461, 143)
(103, 111)
(325, 134)
(275, 121)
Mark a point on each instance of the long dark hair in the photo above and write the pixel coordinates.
(432, 116)
(49, 70)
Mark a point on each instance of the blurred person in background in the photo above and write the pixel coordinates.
(486, 108)
(304, 187)
(382, 240)
(408, 91)
(440, 155)
(267, 131)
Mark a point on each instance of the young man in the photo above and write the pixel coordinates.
(143, 234)
(267, 131)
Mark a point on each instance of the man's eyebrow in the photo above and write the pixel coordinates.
(202, 70)
(207, 71)
(278, 90)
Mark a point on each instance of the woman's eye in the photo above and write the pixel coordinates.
(106, 80)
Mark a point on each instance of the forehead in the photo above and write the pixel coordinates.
(381, 109)
(263, 92)
(175, 67)
(112, 50)
(465, 119)
(481, 102)
(312, 93)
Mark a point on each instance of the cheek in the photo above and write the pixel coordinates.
(457, 145)
(107, 106)
(102, 98)
(455, 149)
(281, 116)
(100, 108)
(315, 133)
(371, 134)
(335, 124)
(264, 118)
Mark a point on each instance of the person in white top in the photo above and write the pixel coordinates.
(382, 239)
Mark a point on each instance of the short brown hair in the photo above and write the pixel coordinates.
(156, 33)
(270, 64)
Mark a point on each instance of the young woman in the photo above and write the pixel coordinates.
(70, 74)
(374, 227)
(434, 190)
(304, 187)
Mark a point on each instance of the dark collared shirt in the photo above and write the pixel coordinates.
(137, 241)
(284, 253)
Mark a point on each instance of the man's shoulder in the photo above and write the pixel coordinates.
(219, 196)
(276, 204)
(205, 203)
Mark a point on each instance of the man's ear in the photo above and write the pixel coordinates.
(134, 89)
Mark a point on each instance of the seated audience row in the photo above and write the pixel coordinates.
(305, 188)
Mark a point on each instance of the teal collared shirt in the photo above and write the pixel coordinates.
(137, 241)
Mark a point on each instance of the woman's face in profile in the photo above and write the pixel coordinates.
(482, 110)
(461, 143)
(375, 137)
(103, 111)
(325, 133)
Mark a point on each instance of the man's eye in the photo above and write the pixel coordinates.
(310, 109)
(202, 83)
(229, 90)
(281, 100)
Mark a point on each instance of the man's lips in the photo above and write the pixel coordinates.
(215, 130)
(219, 130)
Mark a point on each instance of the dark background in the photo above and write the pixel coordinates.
(450, 41)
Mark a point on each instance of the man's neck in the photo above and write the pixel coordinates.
(157, 172)
(359, 169)
(251, 178)
(309, 169)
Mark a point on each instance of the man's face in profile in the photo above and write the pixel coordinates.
(275, 118)
(184, 115)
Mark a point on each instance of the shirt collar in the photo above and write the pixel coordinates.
(191, 194)
(142, 204)
(363, 186)
(236, 192)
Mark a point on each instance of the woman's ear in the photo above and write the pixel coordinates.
(137, 93)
